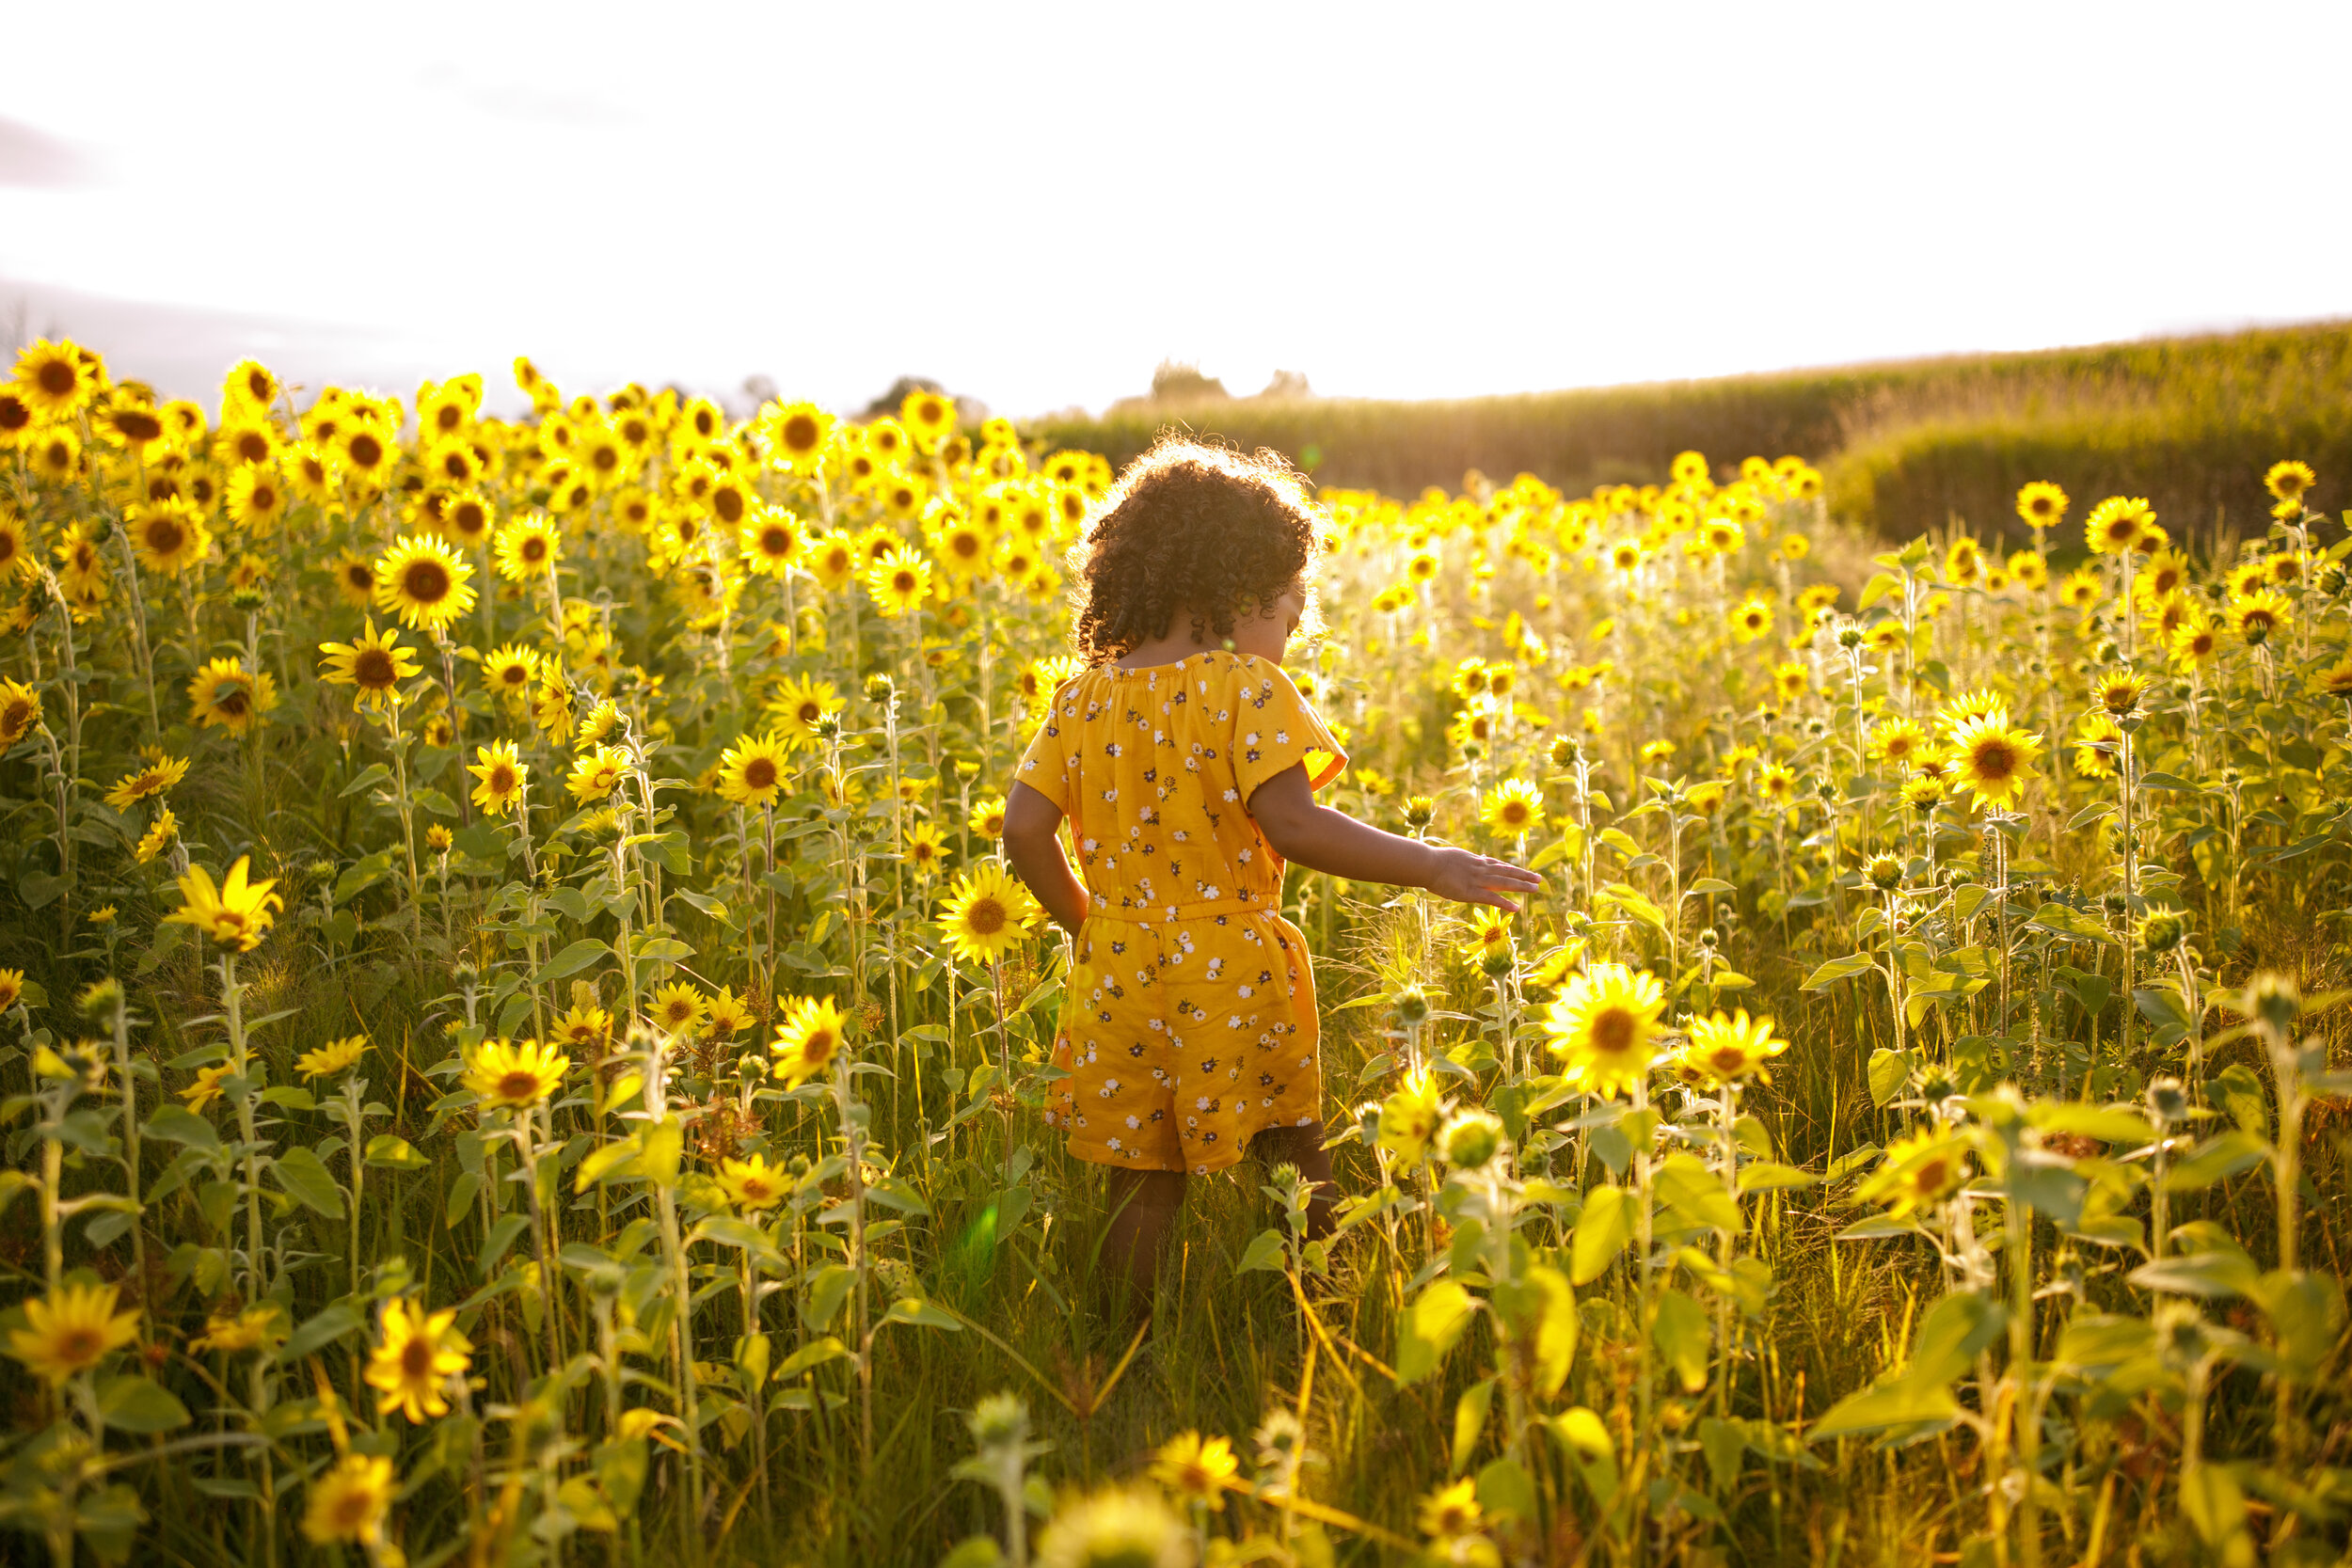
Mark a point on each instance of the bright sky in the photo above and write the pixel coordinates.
(1037, 205)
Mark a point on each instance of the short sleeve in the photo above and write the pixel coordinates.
(1274, 729)
(1047, 764)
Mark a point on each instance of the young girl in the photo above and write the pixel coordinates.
(1187, 763)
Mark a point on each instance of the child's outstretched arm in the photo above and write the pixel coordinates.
(1333, 842)
(1033, 845)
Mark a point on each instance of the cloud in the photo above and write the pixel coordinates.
(39, 160)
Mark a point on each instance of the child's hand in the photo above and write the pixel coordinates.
(1469, 879)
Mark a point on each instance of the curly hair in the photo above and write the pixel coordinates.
(1205, 529)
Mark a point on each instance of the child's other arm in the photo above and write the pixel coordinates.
(1033, 845)
(1324, 840)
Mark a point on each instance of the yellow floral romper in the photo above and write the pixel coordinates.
(1189, 1022)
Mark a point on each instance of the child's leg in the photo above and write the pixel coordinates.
(1143, 1209)
(1303, 1147)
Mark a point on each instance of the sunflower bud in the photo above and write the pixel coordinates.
(1409, 1008)
(1420, 810)
(1470, 1139)
(2162, 930)
(1885, 873)
(1850, 636)
(247, 599)
(1563, 750)
(100, 1003)
(2167, 1102)
(2275, 1000)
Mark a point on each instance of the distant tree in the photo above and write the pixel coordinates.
(1288, 383)
(1181, 381)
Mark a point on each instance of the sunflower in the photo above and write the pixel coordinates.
(447, 409)
(773, 539)
(225, 695)
(964, 547)
(1916, 1171)
(19, 710)
(809, 1035)
(834, 560)
(256, 496)
(158, 836)
(1601, 1027)
(527, 547)
(725, 1015)
(679, 1009)
(1790, 680)
(2288, 480)
(585, 1025)
(81, 561)
(366, 453)
(17, 420)
(413, 1360)
(1511, 807)
(1993, 761)
(1963, 561)
(1896, 741)
(2284, 568)
(1752, 620)
(1199, 1470)
(237, 913)
(2336, 680)
(348, 1501)
(425, 580)
(17, 551)
(164, 772)
(502, 773)
(898, 581)
(597, 774)
(988, 818)
(1776, 784)
(2097, 740)
(928, 417)
(987, 914)
(2195, 641)
(1725, 1049)
(56, 380)
(797, 435)
(753, 1184)
(2042, 504)
(333, 1058)
(70, 1330)
(2116, 524)
(249, 389)
(514, 1074)
(924, 848)
(2121, 692)
(510, 669)
(1489, 934)
(376, 665)
(56, 453)
(468, 518)
(2256, 616)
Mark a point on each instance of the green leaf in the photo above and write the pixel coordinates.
(434, 800)
(2214, 1160)
(319, 1333)
(1505, 1490)
(1684, 1185)
(810, 1356)
(663, 950)
(1890, 1070)
(1706, 885)
(369, 776)
(1768, 1176)
(178, 1124)
(1470, 1421)
(390, 1151)
(136, 1405)
(291, 1096)
(1539, 1312)
(1837, 970)
(2211, 1274)
(1956, 1330)
(578, 956)
(501, 1236)
(1889, 1405)
(1429, 1329)
(1602, 1231)
(305, 1177)
(893, 1192)
(828, 1288)
(363, 874)
(1680, 1332)
(921, 1313)
(2110, 1124)
(1264, 1252)
(2065, 921)
(1634, 904)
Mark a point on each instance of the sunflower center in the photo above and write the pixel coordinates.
(1612, 1031)
(1727, 1059)
(426, 582)
(903, 581)
(535, 550)
(502, 779)
(800, 433)
(374, 668)
(760, 773)
(366, 450)
(57, 378)
(1994, 761)
(776, 542)
(728, 504)
(518, 1084)
(231, 699)
(138, 424)
(415, 1358)
(985, 918)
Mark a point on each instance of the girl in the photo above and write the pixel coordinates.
(1187, 763)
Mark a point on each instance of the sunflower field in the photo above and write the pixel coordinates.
(518, 1045)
